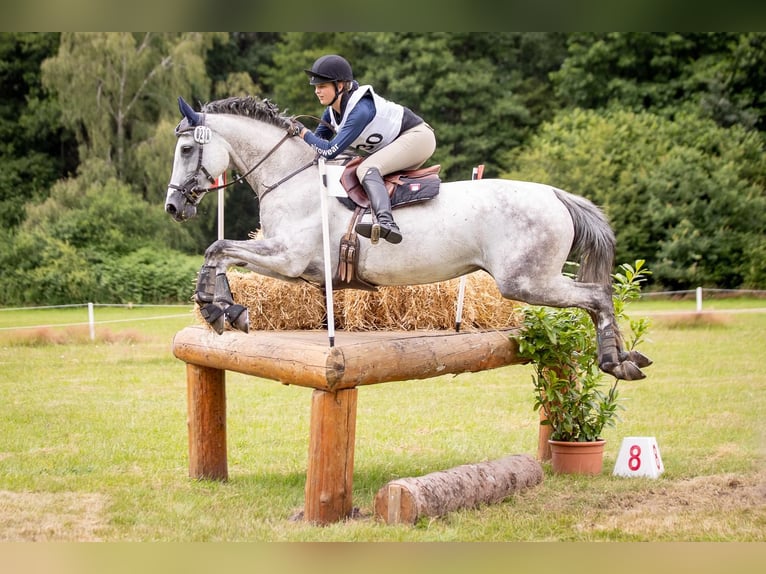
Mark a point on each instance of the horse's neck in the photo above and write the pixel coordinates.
(251, 140)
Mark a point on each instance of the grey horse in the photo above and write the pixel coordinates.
(521, 233)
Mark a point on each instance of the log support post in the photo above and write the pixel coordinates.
(206, 404)
(543, 447)
(329, 475)
(334, 374)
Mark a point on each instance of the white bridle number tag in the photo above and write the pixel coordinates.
(202, 134)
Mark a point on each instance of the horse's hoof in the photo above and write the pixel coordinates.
(219, 324)
(636, 357)
(214, 316)
(628, 371)
(239, 317)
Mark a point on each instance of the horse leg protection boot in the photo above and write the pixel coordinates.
(237, 315)
(205, 285)
(380, 203)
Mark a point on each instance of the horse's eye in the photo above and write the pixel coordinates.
(186, 149)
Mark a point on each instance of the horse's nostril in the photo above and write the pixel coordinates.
(170, 208)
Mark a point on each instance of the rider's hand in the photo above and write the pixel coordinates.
(295, 128)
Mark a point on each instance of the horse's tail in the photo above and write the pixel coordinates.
(594, 241)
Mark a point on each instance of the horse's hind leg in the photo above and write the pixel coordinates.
(596, 299)
(613, 359)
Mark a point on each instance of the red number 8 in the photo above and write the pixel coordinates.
(634, 462)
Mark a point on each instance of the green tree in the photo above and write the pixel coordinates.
(719, 75)
(34, 148)
(102, 218)
(686, 195)
(483, 93)
(88, 244)
(734, 82)
(113, 87)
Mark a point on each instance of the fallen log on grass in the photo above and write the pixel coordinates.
(406, 500)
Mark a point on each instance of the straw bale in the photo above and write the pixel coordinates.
(281, 305)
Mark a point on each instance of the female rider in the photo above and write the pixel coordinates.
(391, 136)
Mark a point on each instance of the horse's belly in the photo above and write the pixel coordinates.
(469, 227)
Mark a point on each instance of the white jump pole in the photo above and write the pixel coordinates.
(476, 173)
(326, 246)
(221, 181)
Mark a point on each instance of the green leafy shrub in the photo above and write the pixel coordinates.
(568, 384)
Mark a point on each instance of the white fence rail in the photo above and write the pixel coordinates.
(91, 322)
(698, 294)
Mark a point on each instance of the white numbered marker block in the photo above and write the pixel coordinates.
(639, 456)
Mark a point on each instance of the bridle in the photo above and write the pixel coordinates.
(202, 135)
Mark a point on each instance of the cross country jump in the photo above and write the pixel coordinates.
(521, 233)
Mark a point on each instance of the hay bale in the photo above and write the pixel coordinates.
(280, 305)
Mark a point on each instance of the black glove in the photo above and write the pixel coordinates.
(295, 128)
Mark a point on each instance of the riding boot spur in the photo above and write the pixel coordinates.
(383, 224)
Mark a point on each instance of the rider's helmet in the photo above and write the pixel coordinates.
(330, 68)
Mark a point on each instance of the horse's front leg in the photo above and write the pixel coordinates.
(269, 257)
(216, 303)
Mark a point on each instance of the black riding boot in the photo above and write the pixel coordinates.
(380, 204)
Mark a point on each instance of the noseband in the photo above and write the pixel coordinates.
(202, 134)
(189, 189)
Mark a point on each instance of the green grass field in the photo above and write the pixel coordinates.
(93, 441)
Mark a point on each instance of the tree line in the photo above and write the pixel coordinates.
(665, 131)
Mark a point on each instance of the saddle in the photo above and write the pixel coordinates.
(404, 188)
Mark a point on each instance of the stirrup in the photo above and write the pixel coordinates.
(374, 232)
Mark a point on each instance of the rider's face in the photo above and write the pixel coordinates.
(325, 93)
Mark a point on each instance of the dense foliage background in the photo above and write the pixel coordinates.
(664, 130)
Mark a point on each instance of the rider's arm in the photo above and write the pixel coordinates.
(357, 120)
(323, 130)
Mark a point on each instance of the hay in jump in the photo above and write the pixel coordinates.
(281, 305)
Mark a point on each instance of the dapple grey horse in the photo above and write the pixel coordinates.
(521, 233)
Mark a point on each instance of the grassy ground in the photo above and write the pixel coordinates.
(93, 442)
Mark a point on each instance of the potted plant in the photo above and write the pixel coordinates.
(569, 389)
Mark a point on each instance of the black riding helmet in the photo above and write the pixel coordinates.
(330, 68)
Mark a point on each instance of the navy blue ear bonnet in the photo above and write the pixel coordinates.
(191, 118)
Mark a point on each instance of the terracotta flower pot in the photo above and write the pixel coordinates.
(577, 457)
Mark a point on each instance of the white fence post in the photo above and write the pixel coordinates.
(91, 322)
(699, 299)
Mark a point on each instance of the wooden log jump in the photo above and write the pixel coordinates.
(406, 500)
(304, 358)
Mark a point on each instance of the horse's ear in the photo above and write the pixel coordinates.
(188, 112)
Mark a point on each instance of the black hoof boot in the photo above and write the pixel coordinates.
(636, 357)
(238, 317)
(214, 316)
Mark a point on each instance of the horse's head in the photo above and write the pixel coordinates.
(200, 157)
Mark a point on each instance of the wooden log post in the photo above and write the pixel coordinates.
(543, 435)
(405, 500)
(330, 471)
(206, 404)
(303, 358)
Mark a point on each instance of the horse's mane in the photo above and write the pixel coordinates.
(249, 106)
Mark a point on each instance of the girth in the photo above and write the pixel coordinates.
(346, 276)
